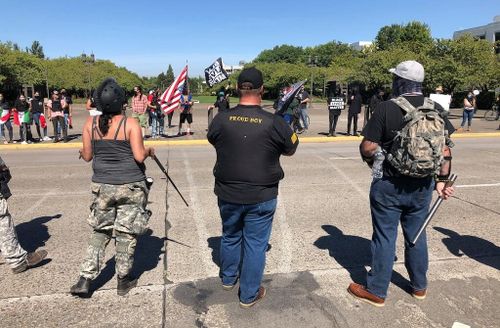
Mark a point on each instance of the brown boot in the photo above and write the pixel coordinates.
(260, 295)
(419, 294)
(361, 293)
(31, 260)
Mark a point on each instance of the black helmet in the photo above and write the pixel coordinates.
(109, 97)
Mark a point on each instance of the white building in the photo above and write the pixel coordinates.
(230, 69)
(360, 45)
(490, 32)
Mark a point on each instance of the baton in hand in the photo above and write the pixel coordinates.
(162, 168)
(434, 208)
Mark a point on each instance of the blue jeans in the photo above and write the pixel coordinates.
(154, 123)
(303, 117)
(392, 201)
(7, 125)
(245, 233)
(467, 116)
(66, 123)
(36, 119)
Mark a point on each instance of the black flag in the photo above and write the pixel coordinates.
(215, 73)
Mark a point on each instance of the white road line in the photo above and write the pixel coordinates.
(346, 177)
(286, 240)
(345, 158)
(201, 229)
(479, 185)
(205, 253)
(37, 203)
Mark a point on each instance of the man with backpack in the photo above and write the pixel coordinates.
(413, 134)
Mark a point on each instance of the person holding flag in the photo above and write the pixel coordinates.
(22, 108)
(37, 109)
(5, 120)
(170, 99)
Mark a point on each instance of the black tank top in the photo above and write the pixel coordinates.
(114, 161)
(56, 106)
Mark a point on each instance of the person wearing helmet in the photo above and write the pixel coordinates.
(115, 145)
(221, 103)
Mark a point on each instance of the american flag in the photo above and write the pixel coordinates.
(171, 97)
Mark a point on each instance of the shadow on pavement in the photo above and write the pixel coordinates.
(33, 234)
(476, 248)
(214, 244)
(353, 253)
(147, 257)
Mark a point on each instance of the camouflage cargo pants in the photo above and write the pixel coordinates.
(12, 252)
(118, 209)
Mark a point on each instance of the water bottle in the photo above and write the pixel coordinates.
(378, 161)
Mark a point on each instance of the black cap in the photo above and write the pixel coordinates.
(109, 97)
(252, 76)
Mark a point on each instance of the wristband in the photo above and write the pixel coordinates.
(442, 178)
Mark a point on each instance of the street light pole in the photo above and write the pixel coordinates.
(88, 61)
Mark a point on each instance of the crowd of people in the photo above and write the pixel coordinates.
(248, 139)
(26, 112)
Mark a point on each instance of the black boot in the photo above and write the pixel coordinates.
(125, 284)
(81, 288)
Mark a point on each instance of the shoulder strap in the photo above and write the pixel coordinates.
(403, 104)
(125, 127)
(119, 126)
(428, 104)
(95, 128)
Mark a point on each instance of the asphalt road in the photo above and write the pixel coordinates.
(320, 241)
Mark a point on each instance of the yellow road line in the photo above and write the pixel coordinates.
(204, 142)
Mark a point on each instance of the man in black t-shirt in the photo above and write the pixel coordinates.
(396, 198)
(249, 142)
(37, 109)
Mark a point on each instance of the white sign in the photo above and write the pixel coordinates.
(443, 100)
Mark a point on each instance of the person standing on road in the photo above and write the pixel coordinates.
(469, 107)
(221, 103)
(139, 109)
(37, 109)
(120, 194)
(376, 99)
(56, 115)
(7, 123)
(67, 109)
(355, 103)
(403, 197)
(22, 108)
(335, 106)
(249, 142)
(304, 99)
(152, 101)
(186, 107)
(18, 259)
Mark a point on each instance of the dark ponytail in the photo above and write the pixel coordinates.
(104, 123)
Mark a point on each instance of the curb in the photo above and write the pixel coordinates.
(204, 142)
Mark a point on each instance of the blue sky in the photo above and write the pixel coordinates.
(146, 36)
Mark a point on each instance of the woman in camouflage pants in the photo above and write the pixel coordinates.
(115, 144)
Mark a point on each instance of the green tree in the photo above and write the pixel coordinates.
(37, 49)
(415, 36)
(170, 77)
(281, 54)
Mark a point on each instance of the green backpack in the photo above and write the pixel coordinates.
(417, 150)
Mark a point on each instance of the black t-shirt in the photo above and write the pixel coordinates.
(69, 101)
(21, 106)
(222, 104)
(249, 142)
(36, 105)
(355, 104)
(302, 96)
(387, 120)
